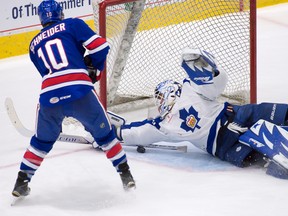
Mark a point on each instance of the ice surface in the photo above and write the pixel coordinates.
(77, 180)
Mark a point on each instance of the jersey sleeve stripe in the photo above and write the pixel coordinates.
(90, 40)
(96, 43)
(99, 49)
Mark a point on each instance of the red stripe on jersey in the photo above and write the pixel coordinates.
(96, 43)
(33, 158)
(65, 78)
(114, 151)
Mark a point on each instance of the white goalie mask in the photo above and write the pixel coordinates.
(165, 95)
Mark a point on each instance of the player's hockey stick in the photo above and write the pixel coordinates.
(15, 120)
(73, 138)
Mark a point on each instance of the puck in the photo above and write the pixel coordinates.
(141, 149)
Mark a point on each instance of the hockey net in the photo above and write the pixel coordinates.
(146, 39)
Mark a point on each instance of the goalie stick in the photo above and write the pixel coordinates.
(76, 138)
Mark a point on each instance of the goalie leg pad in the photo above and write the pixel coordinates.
(250, 113)
(269, 139)
(276, 170)
(229, 149)
(237, 154)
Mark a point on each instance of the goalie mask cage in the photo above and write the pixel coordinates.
(147, 37)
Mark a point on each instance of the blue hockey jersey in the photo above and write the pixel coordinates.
(57, 53)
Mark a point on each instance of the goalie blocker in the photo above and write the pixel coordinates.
(272, 141)
(116, 119)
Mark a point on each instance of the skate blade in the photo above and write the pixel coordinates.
(130, 186)
(16, 200)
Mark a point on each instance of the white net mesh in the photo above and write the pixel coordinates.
(221, 27)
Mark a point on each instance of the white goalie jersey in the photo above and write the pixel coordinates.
(195, 117)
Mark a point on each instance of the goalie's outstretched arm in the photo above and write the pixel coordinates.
(142, 133)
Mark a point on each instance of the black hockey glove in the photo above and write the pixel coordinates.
(94, 74)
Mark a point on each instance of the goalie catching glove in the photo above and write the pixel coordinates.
(94, 74)
(199, 65)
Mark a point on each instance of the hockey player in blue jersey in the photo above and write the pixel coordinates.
(67, 90)
(189, 111)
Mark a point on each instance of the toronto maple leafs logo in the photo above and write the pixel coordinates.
(190, 119)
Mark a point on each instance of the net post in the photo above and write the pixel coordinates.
(102, 33)
(253, 50)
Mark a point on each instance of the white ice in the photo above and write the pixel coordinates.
(77, 180)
